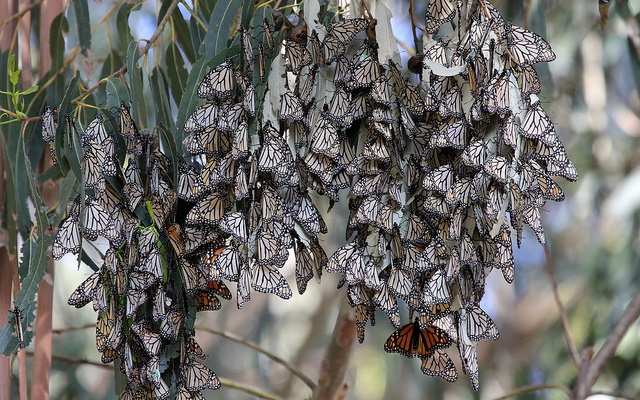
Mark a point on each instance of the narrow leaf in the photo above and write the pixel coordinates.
(81, 9)
(176, 71)
(220, 26)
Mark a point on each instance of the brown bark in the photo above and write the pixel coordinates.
(331, 384)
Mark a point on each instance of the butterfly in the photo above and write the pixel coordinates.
(209, 210)
(196, 376)
(17, 319)
(296, 56)
(290, 107)
(438, 13)
(526, 47)
(338, 36)
(386, 301)
(219, 82)
(261, 63)
(235, 224)
(151, 341)
(439, 364)
(366, 70)
(267, 279)
(204, 116)
(68, 239)
(246, 47)
(410, 340)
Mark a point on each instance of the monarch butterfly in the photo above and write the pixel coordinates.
(247, 49)
(497, 95)
(217, 171)
(307, 215)
(347, 254)
(438, 13)
(498, 168)
(386, 301)
(68, 239)
(172, 322)
(400, 282)
(560, 165)
(435, 203)
(316, 49)
(306, 91)
(296, 56)
(366, 70)
(537, 125)
(206, 301)
(343, 71)
(381, 91)
(439, 180)
(304, 266)
(189, 187)
(410, 340)
(95, 219)
(526, 47)
(208, 210)
(269, 249)
(219, 82)
(231, 115)
(235, 224)
(436, 290)
(340, 108)
(151, 341)
(469, 359)
(244, 285)
(275, 154)
(290, 107)
(195, 376)
(192, 347)
(267, 279)
(439, 364)
(268, 35)
(135, 298)
(376, 149)
(451, 104)
(338, 36)
(527, 79)
(184, 394)
(203, 117)
(325, 139)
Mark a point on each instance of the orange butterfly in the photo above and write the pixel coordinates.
(411, 340)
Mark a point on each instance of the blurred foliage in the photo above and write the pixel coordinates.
(592, 93)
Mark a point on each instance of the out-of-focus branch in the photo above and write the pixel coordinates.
(256, 347)
(331, 384)
(75, 361)
(563, 315)
(247, 389)
(610, 345)
(532, 388)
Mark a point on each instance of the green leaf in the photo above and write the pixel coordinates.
(220, 26)
(206, 8)
(170, 145)
(116, 93)
(635, 62)
(59, 28)
(81, 9)
(61, 139)
(112, 63)
(189, 99)
(32, 89)
(134, 78)
(197, 35)
(176, 72)
(35, 259)
(247, 12)
(183, 36)
(122, 23)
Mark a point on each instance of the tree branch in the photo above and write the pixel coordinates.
(256, 347)
(610, 345)
(331, 383)
(532, 388)
(247, 389)
(563, 316)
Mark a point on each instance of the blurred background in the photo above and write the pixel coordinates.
(591, 93)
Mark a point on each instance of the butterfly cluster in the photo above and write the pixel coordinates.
(437, 175)
(127, 200)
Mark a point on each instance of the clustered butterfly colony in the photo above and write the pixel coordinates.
(436, 174)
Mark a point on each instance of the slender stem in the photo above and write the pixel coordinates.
(614, 338)
(255, 346)
(247, 389)
(194, 15)
(563, 316)
(74, 361)
(532, 388)
(72, 328)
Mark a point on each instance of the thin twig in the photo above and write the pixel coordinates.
(563, 316)
(533, 388)
(235, 338)
(75, 361)
(143, 51)
(72, 328)
(614, 338)
(247, 389)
